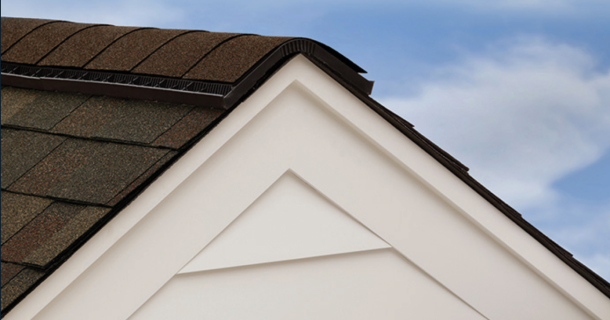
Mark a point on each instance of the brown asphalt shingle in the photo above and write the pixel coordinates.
(142, 178)
(62, 239)
(176, 57)
(128, 51)
(198, 55)
(38, 231)
(38, 109)
(84, 46)
(88, 171)
(69, 160)
(18, 210)
(19, 284)
(185, 129)
(120, 119)
(13, 99)
(41, 41)
(21, 150)
(9, 270)
(18, 28)
(232, 59)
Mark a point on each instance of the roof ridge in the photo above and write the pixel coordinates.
(211, 50)
(162, 45)
(64, 40)
(111, 43)
(29, 32)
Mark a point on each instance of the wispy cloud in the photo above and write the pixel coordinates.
(522, 114)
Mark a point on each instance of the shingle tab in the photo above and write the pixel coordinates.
(84, 46)
(142, 178)
(18, 210)
(18, 28)
(13, 99)
(119, 119)
(127, 52)
(39, 109)
(38, 231)
(61, 240)
(233, 58)
(193, 123)
(176, 57)
(9, 270)
(19, 284)
(41, 41)
(88, 171)
(26, 150)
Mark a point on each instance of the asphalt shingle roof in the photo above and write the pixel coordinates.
(198, 55)
(69, 163)
(72, 161)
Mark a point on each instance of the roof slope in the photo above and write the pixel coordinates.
(69, 163)
(73, 159)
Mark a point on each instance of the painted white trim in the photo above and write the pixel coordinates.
(377, 284)
(289, 221)
(449, 196)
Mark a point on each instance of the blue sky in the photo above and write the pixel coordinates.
(519, 91)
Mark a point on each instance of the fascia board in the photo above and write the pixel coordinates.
(369, 125)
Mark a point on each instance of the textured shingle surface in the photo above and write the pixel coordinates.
(176, 57)
(73, 229)
(18, 28)
(18, 210)
(196, 55)
(194, 122)
(13, 99)
(38, 231)
(19, 285)
(38, 109)
(23, 149)
(119, 119)
(233, 58)
(9, 270)
(41, 41)
(79, 49)
(128, 51)
(88, 171)
(68, 160)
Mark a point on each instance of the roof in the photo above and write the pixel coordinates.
(92, 114)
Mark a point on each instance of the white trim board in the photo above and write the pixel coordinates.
(289, 221)
(377, 284)
(303, 121)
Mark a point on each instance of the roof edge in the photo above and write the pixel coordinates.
(329, 60)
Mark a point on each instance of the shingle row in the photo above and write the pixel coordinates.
(100, 118)
(196, 55)
(67, 161)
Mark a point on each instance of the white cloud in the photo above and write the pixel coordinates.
(521, 115)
